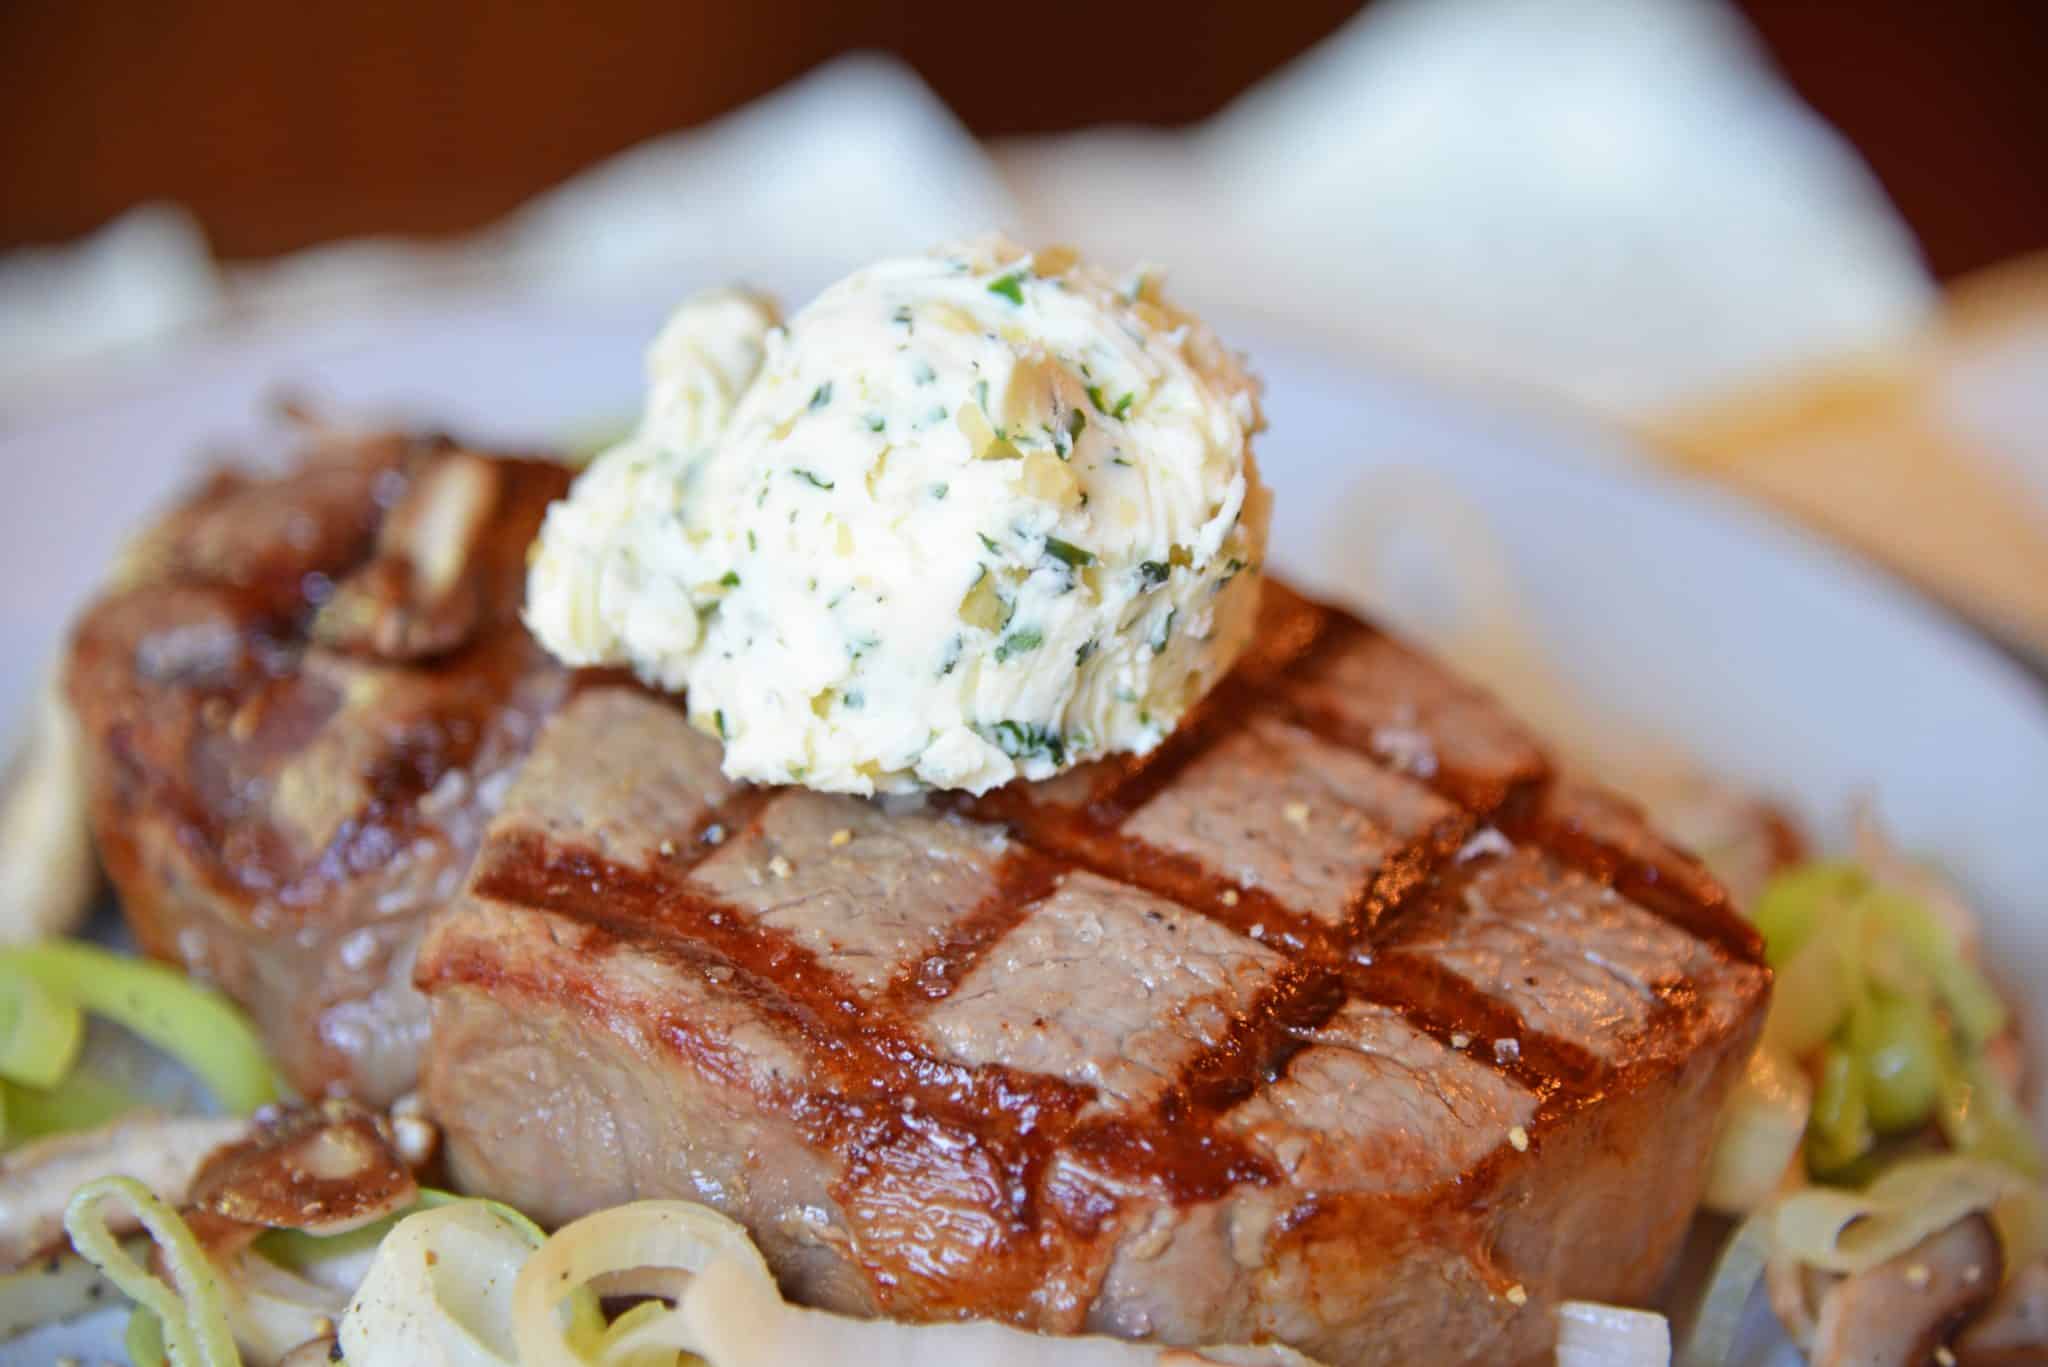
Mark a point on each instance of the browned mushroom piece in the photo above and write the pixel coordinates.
(1898, 1313)
(2013, 1330)
(419, 595)
(325, 1170)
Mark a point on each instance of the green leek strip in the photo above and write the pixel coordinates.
(1799, 902)
(191, 1306)
(1978, 1011)
(1818, 986)
(1897, 1043)
(1838, 1132)
(196, 1026)
(2021, 1219)
(145, 1339)
(296, 1250)
(83, 1102)
(40, 1030)
(1979, 1117)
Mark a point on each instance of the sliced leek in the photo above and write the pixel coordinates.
(190, 1305)
(196, 1026)
(1897, 1044)
(81, 1102)
(40, 1030)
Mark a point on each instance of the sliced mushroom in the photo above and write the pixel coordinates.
(325, 1170)
(1897, 1313)
(162, 1152)
(2014, 1330)
(48, 875)
(416, 598)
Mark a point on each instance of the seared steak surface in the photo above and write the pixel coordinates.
(1337, 1020)
(302, 697)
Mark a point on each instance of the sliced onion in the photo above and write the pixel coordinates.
(440, 1291)
(1590, 1334)
(273, 1311)
(190, 1305)
(668, 1236)
(55, 1288)
(728, 1312)
(1762, 1126)
(734, 1317)
(81, 1101)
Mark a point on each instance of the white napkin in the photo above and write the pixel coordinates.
(1611, 200)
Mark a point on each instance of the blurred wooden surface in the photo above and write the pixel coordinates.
(283, 125)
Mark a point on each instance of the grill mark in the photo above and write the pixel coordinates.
(1408, 870)
(1461, 787)
(1023, 879)
(1309, 633)
(1464, 788)
(1430, 996)
(1265, 1038)
(245, 857)
(870, 1054)
(1197, 734)
(1446, 1007)
(451, 735)
(1259, 1045)
(1174, 1145)
(871, 1058)
(865, 1053)
(1517, 810)
(1716, 923)
(1256, 914)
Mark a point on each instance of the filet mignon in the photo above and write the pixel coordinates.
(1338, 1020)
(302, 697)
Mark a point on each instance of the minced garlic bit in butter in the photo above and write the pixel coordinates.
(969, 516)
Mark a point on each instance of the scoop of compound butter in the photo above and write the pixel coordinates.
(969, 516)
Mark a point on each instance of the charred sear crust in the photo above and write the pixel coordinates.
(302, 696)
(1339, 1019)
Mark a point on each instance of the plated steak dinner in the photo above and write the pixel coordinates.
(1338, 1019)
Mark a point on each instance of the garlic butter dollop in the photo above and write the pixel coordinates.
(970, 516)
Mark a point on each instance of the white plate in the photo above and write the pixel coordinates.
(1788, 665)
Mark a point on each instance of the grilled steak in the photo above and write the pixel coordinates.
(303, 697)
(1337, 1020)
